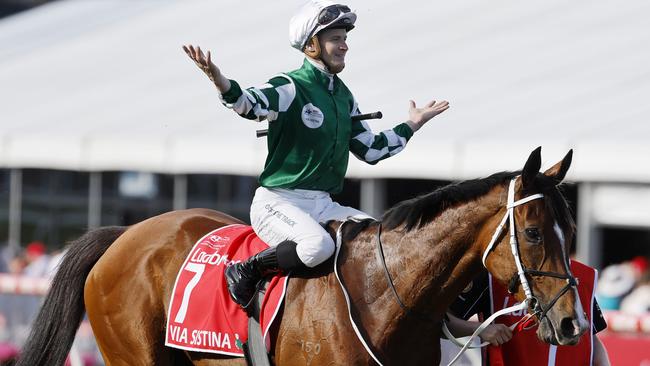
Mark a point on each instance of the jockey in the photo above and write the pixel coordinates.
(310, 136)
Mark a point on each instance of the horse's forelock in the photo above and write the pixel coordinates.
(556, 204)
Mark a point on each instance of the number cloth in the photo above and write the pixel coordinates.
(202, 316)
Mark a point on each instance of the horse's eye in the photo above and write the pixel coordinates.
(533, 235)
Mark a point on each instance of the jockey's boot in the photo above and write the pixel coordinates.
(243, 277)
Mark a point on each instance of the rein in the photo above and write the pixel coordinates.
(380, 249)
(355, 327)
(389, 279)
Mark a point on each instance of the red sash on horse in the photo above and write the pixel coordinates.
(525, 348)
(202, 316)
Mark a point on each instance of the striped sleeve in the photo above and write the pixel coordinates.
(371, 148)
(261, 103)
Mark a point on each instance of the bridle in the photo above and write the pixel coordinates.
(531, 301)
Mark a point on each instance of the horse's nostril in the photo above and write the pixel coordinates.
(569, 327)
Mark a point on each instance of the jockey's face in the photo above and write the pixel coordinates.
(333, 48)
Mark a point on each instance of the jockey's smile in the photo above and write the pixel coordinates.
(333, 48)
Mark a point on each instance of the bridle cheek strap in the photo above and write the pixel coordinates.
(520, 276)
(510, 216)
(509, 209)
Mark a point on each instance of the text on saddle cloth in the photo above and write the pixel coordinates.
(202, 317)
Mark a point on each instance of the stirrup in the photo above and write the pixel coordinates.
(239, 284)
(256, 293)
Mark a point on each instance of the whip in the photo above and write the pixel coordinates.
(358, 117)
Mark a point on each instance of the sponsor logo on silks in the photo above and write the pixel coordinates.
(312, 117)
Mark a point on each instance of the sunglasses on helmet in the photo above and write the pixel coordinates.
(330, 13)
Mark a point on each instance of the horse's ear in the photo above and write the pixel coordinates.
(558, 171)
(531, 168)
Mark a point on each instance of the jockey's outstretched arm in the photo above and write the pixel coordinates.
(263, 103)
(208, 67)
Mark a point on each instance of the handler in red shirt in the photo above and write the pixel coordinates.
(486, 296)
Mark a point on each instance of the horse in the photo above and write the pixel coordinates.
(401, 274)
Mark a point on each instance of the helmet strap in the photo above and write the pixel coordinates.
(312, 49)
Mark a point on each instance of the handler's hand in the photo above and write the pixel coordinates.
(419, 116)
(204, 62)
(496, 334)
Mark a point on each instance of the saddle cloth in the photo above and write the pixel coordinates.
(202, 317)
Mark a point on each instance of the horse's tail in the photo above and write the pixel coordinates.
(55, 326)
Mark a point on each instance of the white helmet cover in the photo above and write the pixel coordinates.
(304, 24)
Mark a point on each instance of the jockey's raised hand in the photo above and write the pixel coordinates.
(419, 116)
(204, 62)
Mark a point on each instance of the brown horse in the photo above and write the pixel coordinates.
(432, 247)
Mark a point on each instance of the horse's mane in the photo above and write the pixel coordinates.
(418, 211)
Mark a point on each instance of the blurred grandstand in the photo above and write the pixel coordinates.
(105, 122)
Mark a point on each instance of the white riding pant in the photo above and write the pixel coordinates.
(295, 214)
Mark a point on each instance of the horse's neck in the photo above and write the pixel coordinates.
(429, 267)
(447, 254)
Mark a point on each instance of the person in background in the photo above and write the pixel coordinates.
(37, 260)
(6, 255)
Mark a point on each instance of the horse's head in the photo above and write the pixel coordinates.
(543, 230)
